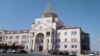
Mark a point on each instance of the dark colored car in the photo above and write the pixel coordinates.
(56, 52)
(22, 51)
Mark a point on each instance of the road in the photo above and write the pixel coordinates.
(12, 54)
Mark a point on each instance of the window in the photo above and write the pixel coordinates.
(58, 34)
(48, 34)
(10, 37)
(57, 46)
(74, 40)
(24, 36)
(6, 37)
(65, 46)
(16, 42)
(17, 37)
(74, 32)
(48, 21)
(47, 40)
(3, 37)
(58, 40)
(23, 42)
(0, 37)
(72, 46)
(38, 22)
(71, 40)
(10, 42)
(33, 34)
(65, 33)
(26, 47)
(65, 40)
(27, 41)
(75, 46)
(53, 20)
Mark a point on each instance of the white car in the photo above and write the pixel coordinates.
(92, 54)
(1, 50)
(13, 51)
(9, 51)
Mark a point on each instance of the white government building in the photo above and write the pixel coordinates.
(49, 33)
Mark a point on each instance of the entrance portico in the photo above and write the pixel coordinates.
(39, 42)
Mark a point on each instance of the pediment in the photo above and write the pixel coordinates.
(41, 27)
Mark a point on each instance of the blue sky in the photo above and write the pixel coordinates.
(19, 14)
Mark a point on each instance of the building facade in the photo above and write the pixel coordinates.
(49, 33)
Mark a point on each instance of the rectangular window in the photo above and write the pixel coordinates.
(58, 34)
(65, 33)
(65, 46)
(73, 40)
(17, 37)
(47, 40)
(23, 42)
(59, 40)
(38, 22)
(33, 34)
(57, 46)
(10, 42)
(26, 47)
(75, 46)
(6, 37)
(24, 36)
(48, 21)
(72, 46)
(74, 32)
(65, 40)
(16, 42)
(10, 37)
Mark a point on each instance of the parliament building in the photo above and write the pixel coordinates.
(49, 33)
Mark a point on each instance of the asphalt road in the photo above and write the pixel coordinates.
(12, 54)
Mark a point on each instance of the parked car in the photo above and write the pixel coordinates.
(23, 51)
(53, 52)
(4, 51)
(92, 54)
(1, 50)
(9, 51)
(13, 51)
(56, 52)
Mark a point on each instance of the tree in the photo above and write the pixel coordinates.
(5, 47)
(13, 46)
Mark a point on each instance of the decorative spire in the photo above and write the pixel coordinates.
(50, 11)
(50, 8)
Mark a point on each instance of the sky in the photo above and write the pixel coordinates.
(19, 14)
